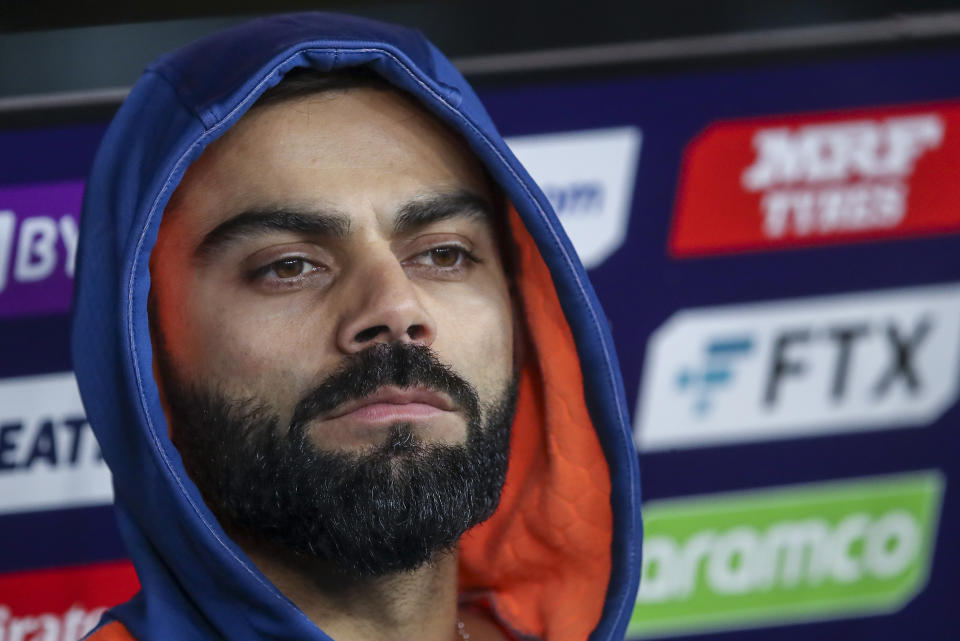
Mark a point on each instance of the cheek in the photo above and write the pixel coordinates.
(475, 337)
(250, 351)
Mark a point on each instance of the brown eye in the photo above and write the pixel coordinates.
(288, 267)
(445, 256)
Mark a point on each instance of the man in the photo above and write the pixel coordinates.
(349, 377)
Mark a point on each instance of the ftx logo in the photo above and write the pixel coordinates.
(715, 373)
(802, 367)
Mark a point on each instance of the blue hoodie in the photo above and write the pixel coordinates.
(560, 558)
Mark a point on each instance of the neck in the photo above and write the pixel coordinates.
(419, 604)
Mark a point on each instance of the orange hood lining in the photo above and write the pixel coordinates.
(544, 558)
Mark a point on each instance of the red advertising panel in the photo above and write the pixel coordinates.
(806, 180)
(61, 604)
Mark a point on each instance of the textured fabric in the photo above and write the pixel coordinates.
(547, 549)
(560, 558)
(114, 631)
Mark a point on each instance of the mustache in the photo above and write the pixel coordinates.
(402, 365)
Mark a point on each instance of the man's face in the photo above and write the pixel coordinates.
(318, 227)
(311, 235)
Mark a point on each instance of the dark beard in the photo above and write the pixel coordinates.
(385, 510)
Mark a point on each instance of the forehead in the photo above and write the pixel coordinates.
(355, 148)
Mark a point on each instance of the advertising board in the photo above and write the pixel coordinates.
(774, 244)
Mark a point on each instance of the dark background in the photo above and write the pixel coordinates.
(69, 46)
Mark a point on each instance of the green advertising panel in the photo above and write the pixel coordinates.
(784, 555)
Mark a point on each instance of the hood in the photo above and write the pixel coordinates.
(560, 558)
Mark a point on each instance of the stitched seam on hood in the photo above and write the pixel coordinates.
(161, 72)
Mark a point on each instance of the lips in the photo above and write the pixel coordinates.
(395, 403)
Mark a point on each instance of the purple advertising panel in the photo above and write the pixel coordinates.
(38, 243)
(62, 562)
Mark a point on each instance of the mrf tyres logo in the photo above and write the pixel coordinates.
(794, 181)
(849, 176)
(800, 367)
(49, 458)
(38, 246)
(786, 555)
(588, 176)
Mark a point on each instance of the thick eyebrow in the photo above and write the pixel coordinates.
(331, 223)
(436, 207)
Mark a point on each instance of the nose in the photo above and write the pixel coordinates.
(383, 306)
